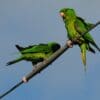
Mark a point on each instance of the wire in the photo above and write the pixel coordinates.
(13, 88)
(43, 65)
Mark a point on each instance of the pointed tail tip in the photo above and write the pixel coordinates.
(85, 67)
(9, 63)
(99, 49)
(84, 62)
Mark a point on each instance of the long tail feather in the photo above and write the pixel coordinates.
(95, 45)
(83, 54)
(14, 61)
(91, 49)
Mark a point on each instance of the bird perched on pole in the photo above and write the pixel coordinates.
(75, 27)
(36, 53)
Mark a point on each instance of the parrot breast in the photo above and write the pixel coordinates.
(71, 31)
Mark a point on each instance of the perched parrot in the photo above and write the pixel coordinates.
(75, 27)
(36, 53)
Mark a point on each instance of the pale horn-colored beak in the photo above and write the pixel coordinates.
(62, 14)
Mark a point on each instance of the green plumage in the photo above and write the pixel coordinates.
(75, 27)
(36, 53)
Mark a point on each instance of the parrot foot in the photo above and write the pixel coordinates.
(45, 61)
(69, 43)
(38, 64)
(24, 80)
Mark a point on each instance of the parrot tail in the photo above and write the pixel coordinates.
(83, 54)
(95, 45)
(97, 48)
(91, 49)
(14, 61)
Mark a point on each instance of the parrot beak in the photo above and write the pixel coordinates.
(62, 14)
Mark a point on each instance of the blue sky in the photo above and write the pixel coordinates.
(27, 22)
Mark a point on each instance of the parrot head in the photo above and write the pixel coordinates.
(54, 46)
(67, 13)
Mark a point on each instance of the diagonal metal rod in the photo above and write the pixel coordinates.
(43, 65)
(10, 90)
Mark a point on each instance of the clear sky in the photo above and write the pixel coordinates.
(27, 22)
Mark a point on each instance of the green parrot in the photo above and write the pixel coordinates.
(75, 27)
(36, 53)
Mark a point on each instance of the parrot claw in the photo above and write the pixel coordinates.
(38, 64)
(69, 43)
(45, 61)
(24, 80)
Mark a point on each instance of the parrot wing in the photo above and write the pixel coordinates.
(20, 48)
(87, 25)
(81, 27)
(41, 48)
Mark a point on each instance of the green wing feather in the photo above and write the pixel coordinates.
(36, 53)
(81, 27)
(87, 25)
(43, 48)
